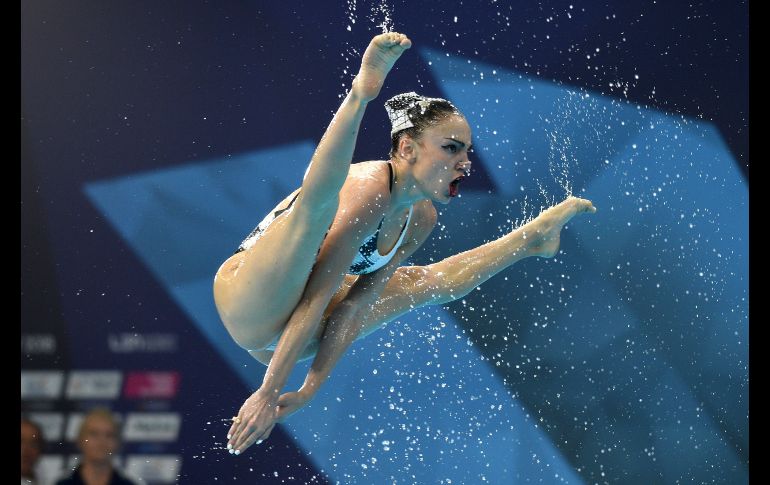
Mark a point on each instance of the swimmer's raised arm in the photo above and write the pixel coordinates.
(345, 236)
(340, 248)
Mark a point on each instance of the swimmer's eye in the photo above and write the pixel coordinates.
(451, 148)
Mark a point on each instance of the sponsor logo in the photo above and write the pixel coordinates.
(125, 343)
(151, 385)
(94, 384)
(52, 424)
(154, 468)
(41, 384)
(38, 343)
(155, 427)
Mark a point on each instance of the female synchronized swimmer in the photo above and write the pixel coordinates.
(322, 269)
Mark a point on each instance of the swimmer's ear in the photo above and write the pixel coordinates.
(407, 148)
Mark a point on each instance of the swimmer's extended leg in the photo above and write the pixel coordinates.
(329, 166)
(458, 275)
(452, 278)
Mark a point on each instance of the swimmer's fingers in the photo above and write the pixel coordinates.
(256, 414)
(231, 432)
(236, 430)
(240, 439)
(239, 427)
(255, 437)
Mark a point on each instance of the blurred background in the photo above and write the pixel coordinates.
(155, 136)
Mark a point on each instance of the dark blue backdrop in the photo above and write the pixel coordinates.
(155, 136)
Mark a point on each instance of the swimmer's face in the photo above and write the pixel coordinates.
(441, 158)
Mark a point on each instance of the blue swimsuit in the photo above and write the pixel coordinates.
(367, 260)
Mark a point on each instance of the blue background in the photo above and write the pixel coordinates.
(155, 137)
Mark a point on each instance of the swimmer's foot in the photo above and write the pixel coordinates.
(544, 231)
(383, 51)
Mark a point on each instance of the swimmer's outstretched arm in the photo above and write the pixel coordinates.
(345, 323)
(342, 327)
(337, 144)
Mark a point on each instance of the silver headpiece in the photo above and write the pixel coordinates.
(398, 106)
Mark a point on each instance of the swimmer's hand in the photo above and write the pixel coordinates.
(291, 402)
(255, 420)
(383, 51)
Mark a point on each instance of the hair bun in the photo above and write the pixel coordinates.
(399, 105)
(397, 108)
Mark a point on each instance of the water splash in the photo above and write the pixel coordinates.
(380, 14)
(351, 14)
(386, 11)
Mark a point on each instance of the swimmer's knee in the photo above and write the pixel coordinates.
(246, 341)
(262, 356)
(246, 337)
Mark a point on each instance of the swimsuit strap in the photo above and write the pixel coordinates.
(281, 211)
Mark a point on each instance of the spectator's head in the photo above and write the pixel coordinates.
(98, 436)
(31, 446)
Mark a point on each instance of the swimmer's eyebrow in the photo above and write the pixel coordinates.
(470, 145)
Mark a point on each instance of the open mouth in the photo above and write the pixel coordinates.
(454, 186)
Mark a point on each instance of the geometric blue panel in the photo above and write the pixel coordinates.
(664, 279)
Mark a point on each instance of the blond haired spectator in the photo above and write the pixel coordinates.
(98, 440)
